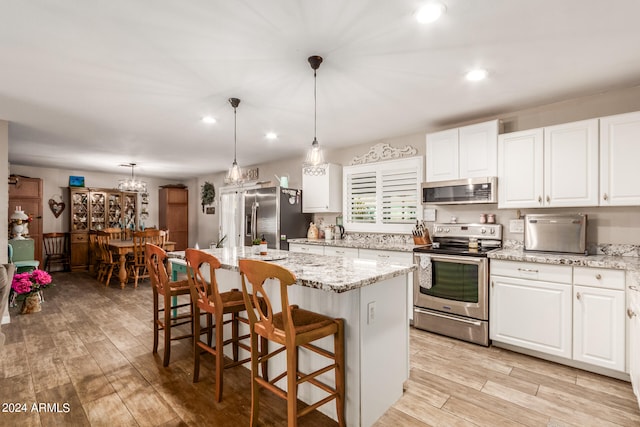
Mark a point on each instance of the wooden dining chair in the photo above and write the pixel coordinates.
(168, 316)
(56, 250)
(207, 298)
(108, 263)
(292, 328)
(137, 268)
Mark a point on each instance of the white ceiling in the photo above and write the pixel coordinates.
(90, 85)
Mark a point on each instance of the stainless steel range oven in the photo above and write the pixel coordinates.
(451, 292)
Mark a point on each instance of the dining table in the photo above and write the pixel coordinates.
(124, 247)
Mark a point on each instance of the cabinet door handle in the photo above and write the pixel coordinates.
(578, 296)
(540, 199)
(598, 276)
(634, 288)
(605, 197)
(528, 270)
(492, 284)
(630, 313)
(548, 199)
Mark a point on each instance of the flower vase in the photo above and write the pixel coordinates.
(31, 304)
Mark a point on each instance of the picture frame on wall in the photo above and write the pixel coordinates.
(76, 181)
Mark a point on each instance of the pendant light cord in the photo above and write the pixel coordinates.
(315, 106)
(235, 127)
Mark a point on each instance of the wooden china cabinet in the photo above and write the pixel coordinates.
(94, 209)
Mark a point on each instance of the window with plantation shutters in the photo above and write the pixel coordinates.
(383, 196)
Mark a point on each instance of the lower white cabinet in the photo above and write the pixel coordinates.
(599, 317)
(341, 251)
(633, 313)
(529, 313)
(577, 313)
(306, 249)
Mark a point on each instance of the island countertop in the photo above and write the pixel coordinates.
(330, 273)
(398, 245)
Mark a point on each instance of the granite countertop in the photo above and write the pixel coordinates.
(331, 273)
(630, 264)
(399, 245)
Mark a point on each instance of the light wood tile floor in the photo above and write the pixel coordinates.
(90, 348)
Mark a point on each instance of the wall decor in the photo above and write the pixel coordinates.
(56, 205)
(76, 181)
(207, 194)
(211, 210)
(384, 151)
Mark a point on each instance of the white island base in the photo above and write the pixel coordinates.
(376, 343)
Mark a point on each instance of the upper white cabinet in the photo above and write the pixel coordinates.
(619, 154)
(465, 152)
(520, 169)
(552, 167)
(571, 164)
(322, 193)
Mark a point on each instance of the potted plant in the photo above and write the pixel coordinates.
(256, 246)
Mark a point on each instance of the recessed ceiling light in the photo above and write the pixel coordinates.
(208, 119)
(429, 13)
(476, 75)
(271, 135)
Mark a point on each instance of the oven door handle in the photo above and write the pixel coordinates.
(458, 258)
(444, 316)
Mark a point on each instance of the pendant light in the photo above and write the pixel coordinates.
(314, 163)
(235, 174)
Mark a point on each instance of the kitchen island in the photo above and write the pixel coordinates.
(369, 295)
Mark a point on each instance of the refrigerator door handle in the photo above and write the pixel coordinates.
(254, 225)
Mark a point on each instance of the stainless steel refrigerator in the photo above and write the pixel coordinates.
(276, 213)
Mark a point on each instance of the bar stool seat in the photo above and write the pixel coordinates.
(292, 328)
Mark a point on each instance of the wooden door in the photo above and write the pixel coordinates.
(27, 193)
(174, 215)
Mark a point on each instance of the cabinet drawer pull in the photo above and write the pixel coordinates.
(634, 288)
(605, 197)
(630, 313)
(578, 296)
(528, 270)
(598, 276)
(383, 256)
(339, 252)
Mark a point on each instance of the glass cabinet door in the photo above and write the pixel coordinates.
(80, 211)
(129, 210)
(114, 214)
(98, 208)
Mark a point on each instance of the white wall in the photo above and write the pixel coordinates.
(4, 202)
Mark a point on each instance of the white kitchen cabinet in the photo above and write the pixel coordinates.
(633, 313)
(599, 317)
(556, 166)
(306, 249)
(619, 154)
(322, 193)
(397, 257)
(571, 164)
(341, 251)
(520, 169)
(465, 152)
(529, 310)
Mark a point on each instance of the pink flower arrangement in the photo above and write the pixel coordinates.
(31, 282)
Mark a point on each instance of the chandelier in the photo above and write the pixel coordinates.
(132, 184)
(314, 163)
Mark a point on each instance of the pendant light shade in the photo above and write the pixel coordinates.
(235, 173)
(314, 163)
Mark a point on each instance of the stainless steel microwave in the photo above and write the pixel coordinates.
(461, 191)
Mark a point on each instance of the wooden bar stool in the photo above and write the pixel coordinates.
(292, 328)
(207, 298)
(156, 259)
